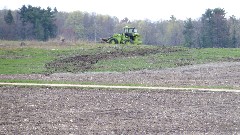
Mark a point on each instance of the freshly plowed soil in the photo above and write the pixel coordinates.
(36, 110)
(51, 110)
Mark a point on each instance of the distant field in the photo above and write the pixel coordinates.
(51, 57)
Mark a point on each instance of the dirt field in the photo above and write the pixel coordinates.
(45, 110)
(35, 110)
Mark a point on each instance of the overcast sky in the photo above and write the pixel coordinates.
(134, 9)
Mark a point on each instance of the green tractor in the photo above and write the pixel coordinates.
(130, 36)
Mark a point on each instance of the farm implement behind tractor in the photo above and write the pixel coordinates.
(130, 36)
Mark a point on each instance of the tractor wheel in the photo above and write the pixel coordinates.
(128, 42)
(113, 41)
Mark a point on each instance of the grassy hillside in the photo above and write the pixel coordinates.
(51, 57)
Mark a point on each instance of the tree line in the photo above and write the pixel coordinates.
(212, 29)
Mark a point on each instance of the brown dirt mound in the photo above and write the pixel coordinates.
(82, 63)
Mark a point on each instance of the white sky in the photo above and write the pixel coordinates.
(134, 9)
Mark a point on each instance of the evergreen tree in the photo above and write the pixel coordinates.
(188, 33)
(214, 31)
(42, 21)
(8, 17)
(220, 28)
(206, 29)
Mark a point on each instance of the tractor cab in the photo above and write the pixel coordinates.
(130, 30)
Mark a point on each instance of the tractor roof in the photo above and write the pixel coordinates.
(126, 27)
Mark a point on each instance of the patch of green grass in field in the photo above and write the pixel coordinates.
(215, 54)
(169, 60)
(16, 59)
(23, 60)
(156, 61)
